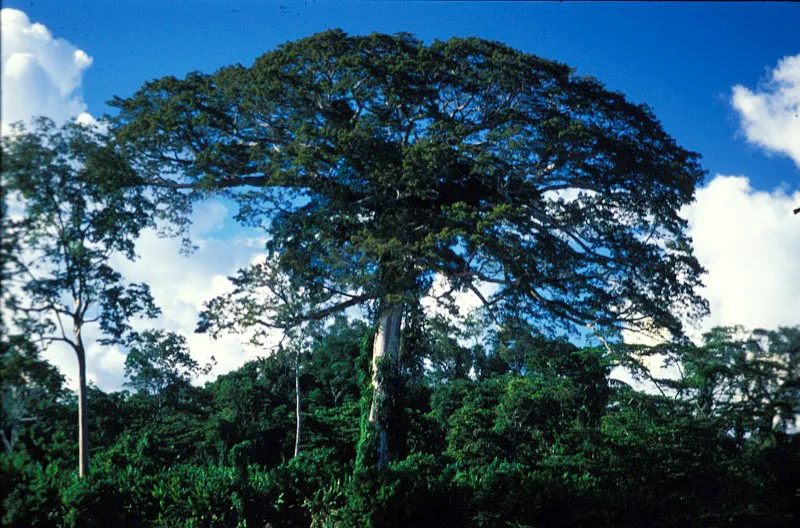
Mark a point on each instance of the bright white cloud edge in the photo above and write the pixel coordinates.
(41, 74)
(770, 114)
(749, 241)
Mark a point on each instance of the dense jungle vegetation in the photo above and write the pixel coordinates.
(533, 434)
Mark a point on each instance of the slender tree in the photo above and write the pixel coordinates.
(298, 407)
(378, 163)
(256, 288)
(76, 209)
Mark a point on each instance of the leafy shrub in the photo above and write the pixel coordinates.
(30, 492)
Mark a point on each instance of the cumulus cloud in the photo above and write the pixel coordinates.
(465, 303)
(181, 284)
(750, 243)
(42, 74)
(770, 115)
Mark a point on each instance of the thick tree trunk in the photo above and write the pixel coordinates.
(298, 414)
(385, 346)
(83, 417)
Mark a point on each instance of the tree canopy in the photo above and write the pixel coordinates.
(385, 169)
(377, 162)
(159, 362)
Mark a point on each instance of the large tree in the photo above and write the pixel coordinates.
(378, 163)
(73, 209)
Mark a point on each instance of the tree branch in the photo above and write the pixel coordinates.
(325, 312)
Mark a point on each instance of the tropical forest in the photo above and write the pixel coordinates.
(391, 178)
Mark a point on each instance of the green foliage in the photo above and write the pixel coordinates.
(750, 380)
(366, 449)
(333, 360)
(527, 447)
(159, 364)
(30, 492)
(95, 502)
(203, 496)
(411, 492)
(30, 387)
(255, 404)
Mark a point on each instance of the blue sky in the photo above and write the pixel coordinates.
(724, 79)
(681, 59)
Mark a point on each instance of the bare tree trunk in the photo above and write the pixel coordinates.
(83, 418)
(298, 412)
(386, 345)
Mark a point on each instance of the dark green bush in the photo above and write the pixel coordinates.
(412, 492)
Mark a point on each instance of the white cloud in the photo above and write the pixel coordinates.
(750, 243)
(569, 195)
(465, 302)
(180, 285)
(770, 116)
(110, 359)
(42, 74)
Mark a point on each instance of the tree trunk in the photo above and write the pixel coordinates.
(83, 418)
(385, 346)
(298, 414)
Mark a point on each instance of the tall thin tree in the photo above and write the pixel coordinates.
(76, 209)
